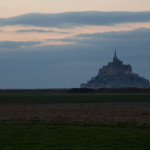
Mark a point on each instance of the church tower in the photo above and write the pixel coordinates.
(115, 57)
(115, 53)
(116, 60)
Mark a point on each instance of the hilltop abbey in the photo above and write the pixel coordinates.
(116, 75)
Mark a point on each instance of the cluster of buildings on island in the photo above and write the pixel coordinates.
(116, 75)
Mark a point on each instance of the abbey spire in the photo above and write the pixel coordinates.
(115, 59)
(115, 53)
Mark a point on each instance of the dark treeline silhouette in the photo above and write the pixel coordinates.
(75, 91)
(111, 90)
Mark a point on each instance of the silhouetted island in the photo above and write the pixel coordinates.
(116, 75)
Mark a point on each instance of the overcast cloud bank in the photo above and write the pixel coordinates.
(72, 19)
(66, 66)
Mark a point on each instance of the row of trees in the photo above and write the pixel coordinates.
(75, 90)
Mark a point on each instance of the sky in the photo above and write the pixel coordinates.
(63, 43)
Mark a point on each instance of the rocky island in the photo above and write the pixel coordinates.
(116, 75)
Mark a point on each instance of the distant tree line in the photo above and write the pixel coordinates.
(75, 91)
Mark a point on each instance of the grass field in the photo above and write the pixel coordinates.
(43, 137)
(71, 98)
(76, 127)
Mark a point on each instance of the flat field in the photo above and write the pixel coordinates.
(105, 115)
(71, 98)
(37, 122)
(41, 137)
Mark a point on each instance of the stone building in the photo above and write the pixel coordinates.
(116, 75)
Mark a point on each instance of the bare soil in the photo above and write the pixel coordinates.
(138, 115)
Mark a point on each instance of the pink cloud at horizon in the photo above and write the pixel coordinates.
(9, 33)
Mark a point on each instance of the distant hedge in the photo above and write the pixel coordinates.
(75, 90)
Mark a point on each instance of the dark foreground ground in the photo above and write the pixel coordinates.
(75, 137)
(57, 127)
(46, 121)
(72, 98)
(47, 114)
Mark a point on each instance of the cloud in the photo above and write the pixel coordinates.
(16, 44)
(66, 66)
(133, 36)
(72, 19)
(136, 33)
(41, 31)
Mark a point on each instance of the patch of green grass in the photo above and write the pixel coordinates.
(72, 98)
(44, 137)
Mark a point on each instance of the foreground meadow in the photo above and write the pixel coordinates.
(44, 137)
(43, 122)
(70, 98)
